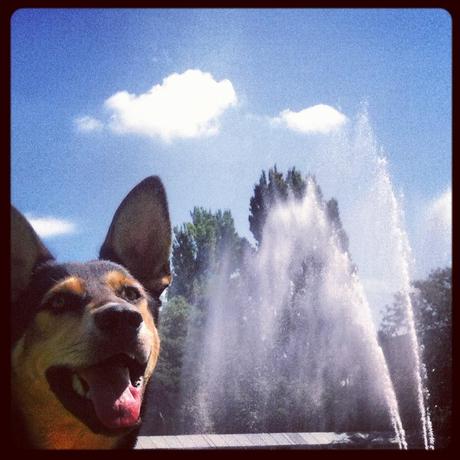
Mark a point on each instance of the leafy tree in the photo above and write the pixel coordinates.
(394, 321)
(199, 248)
(433, 301)
(165, 386)
(185, 269)
(432, 304)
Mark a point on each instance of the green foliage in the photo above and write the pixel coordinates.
(199, 249)
(433, 317)
(394, 321)
(295, 183)
(183, 256)
(268, 192)
(433, 301)
(332, 211)
(278, 188)
(165, 386)
(432, 305)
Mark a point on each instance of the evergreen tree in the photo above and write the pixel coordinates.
(332, 209)
(278, 188)
(267, 193)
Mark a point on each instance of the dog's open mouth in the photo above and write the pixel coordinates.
(106, 396)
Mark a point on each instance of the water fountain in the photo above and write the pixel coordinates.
(328, 373)
(330, 364)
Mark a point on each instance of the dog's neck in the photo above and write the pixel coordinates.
(46, 430)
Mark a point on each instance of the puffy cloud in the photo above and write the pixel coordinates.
(184, 105)
(319, 118)
(440, 212)
(439, 223)
(87, 124)
(434, 234)
(47, 227)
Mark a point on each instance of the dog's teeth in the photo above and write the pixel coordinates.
(77, 385)
(139, 381)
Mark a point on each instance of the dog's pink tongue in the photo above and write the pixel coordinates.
(116, 401)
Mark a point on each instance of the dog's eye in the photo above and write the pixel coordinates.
(57, 302)
(64, 301)
(130, 293)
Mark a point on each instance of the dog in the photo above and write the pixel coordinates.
(84, 335)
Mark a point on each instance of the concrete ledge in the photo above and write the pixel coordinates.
(271, 441)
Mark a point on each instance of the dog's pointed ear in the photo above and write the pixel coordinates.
(27, 251)
(139, 237)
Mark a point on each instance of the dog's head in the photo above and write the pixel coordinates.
(84, 334)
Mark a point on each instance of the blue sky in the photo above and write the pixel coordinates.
(98, 104)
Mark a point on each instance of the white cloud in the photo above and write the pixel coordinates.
(47, 227)
(440, 212)
(439, 224)
(184, 105)
(434, 234)
(319, 118)
(87, 124)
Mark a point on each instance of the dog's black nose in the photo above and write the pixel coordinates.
(117, 318)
